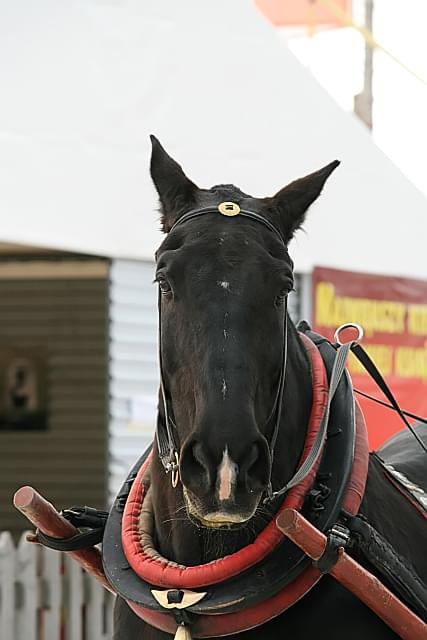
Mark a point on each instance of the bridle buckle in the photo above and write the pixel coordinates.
(173, 468)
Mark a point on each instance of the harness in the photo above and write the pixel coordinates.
(272, 582)
(262, 580)
(257, 583)
(250, 586)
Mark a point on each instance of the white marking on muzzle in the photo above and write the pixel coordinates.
(227, 473)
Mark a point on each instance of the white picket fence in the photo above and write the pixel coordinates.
(45, 595)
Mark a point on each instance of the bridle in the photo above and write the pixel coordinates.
(166, 429)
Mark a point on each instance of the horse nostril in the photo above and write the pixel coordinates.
(202, 472)
(194, 466)
(256, 466)
(251, 459)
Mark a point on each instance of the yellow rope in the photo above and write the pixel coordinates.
(347, 19)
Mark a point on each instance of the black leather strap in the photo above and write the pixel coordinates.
(338, 536)
(85, 517)
(287, 561)
(371, 368)
(195, 213)
(82, 540)
(384, 558)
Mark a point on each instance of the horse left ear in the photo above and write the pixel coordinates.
(176, 192)
(291, 202)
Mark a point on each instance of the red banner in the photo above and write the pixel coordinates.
(393, 314)
(285, 13)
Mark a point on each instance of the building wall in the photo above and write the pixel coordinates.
(300, 302)
(134, 377)
(58, 309)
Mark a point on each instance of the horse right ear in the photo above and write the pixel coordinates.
(176, 192)
(291, 202)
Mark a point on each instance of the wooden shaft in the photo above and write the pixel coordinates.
(354, 577)
(43, 515)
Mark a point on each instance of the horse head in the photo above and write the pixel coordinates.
(224, 282)
(243, 413)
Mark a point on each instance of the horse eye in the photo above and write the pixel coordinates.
(164, 286)
(279, 300)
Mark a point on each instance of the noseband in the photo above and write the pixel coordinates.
(166, 430)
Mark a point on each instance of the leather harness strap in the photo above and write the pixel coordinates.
(247, 611)
(168, 574)
(338, 370)
(203, 625)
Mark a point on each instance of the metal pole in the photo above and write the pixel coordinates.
(43, 515)
(363, 101)
(354, 577)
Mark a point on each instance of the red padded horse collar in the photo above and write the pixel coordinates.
(156, 572)
(164, 573)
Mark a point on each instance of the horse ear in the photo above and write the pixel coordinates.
(176, 191)
(291, 202)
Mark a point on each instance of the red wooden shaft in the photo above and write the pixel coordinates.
(354, 577)
(43, 515)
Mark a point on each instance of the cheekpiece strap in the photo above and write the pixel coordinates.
(167, 444)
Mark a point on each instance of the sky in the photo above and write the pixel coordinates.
(335, 57)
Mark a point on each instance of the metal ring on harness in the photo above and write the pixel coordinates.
(349, 325)
(175, 471)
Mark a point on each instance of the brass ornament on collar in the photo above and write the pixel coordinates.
(177, 598)
(229, 209)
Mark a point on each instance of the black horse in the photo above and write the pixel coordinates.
(223, 288)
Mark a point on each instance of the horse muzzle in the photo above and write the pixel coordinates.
(226, 515)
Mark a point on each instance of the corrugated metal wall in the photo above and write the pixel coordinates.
(60, 308)
(134, 378)
(300, 299)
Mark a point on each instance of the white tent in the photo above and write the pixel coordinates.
(83, 83)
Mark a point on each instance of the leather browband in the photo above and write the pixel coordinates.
(195, 213)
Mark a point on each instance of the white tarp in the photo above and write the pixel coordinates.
(83, 83)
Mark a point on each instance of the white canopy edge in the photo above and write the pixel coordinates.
(84, 83)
